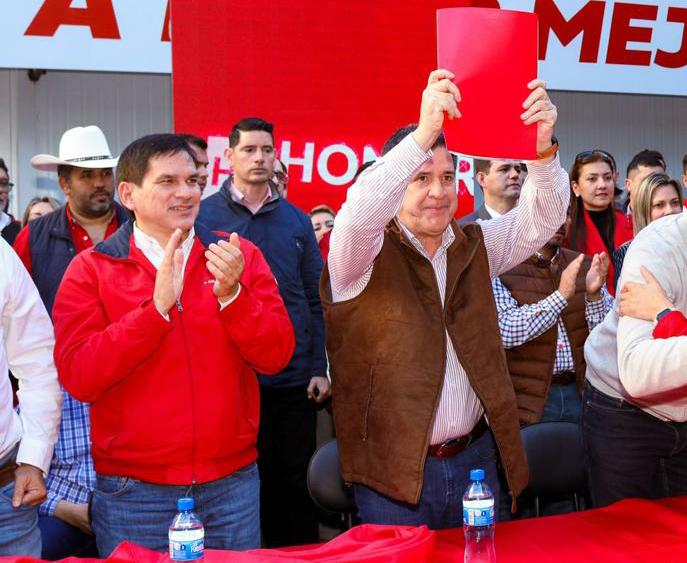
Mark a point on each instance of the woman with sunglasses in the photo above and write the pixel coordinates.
(658, 195)
(596, 225)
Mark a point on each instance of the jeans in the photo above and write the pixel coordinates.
(132, 510)
(62, 540)
(441, 500)
(286, 442)
(631, 453)
(19, 532)
(563, 404)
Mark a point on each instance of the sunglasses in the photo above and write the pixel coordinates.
(6, 184)
(586, 154)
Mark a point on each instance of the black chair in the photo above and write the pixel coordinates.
(556, 459)
(325, 485)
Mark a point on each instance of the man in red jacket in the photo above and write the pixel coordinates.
(161, 328)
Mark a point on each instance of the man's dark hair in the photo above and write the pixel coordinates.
(482, 165)
(3, 166)
(684, 164)
(647, 157)
(249, 124)
(364, 166)
(135, 158)
(64, 171)
(406, 130)
(194, 140)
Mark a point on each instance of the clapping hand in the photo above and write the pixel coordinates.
(225, 262)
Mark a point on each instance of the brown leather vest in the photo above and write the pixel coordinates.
(387, 353)
(531, 365)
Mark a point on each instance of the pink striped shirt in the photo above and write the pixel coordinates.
(375, 199)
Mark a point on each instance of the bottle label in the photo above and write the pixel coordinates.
(186, 545)
(478, 512)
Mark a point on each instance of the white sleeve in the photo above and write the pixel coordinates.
(29, 343)
(371, 202)
(541, 210)
(649, 366)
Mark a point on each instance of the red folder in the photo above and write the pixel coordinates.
(493, 54)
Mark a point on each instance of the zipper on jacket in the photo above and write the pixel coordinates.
(180, 309)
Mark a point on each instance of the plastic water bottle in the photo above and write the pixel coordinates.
(186, 534)
(478, 520)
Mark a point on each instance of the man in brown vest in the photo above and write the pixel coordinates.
(546, 308)
(420, 383)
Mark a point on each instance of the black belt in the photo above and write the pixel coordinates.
(565, 378)
(454, 446)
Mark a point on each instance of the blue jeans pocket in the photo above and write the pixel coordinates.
(113, 486)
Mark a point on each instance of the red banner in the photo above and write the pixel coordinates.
(336, 79)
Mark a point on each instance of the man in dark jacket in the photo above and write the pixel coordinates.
(248, 204)
(500, 182)
(47, 245)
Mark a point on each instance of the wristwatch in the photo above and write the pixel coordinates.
(663, 313)
(551, 151)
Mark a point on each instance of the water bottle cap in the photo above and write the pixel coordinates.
(185, 503)
(477, 475)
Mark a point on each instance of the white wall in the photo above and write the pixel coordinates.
(623, 125)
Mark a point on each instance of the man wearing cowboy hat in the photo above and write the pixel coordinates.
(46, 246)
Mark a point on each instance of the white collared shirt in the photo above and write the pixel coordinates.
(240, 197)
(154, 252)
(26, 347)
(494, 214)
(5, 220)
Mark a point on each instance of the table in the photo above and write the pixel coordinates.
(629, 531)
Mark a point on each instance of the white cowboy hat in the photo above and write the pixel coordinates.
(83, 147)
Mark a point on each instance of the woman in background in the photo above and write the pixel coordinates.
(38, 207)
(596, 225)
(658, 195)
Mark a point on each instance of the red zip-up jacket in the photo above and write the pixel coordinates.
(172, 402)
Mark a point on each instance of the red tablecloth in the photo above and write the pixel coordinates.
(628, 531)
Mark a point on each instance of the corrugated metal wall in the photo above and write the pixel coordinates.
(33, 116)
(623, 124)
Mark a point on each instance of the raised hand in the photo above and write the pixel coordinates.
(566, 286)
(439, 97)
(643, 301)
(169, 280)
(225, 262)
(596, 276)
(540, 110)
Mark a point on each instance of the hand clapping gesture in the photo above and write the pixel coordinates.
(225, 262)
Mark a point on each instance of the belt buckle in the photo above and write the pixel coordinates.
(444, 449)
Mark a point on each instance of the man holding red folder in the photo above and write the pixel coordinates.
(420, 383)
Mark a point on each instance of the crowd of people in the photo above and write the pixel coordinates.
(166, 346)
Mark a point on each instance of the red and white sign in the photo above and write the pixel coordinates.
(630, 46)
(97, 35)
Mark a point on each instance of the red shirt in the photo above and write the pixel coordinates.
(82, 240)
